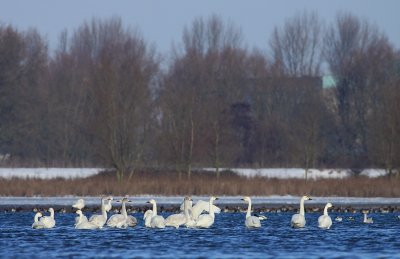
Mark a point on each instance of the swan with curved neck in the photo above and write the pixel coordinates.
(156, 221)
(207, 220)
(325, 221)
(298, 220)
(36, 222)
(251, 221)
(82, 224)
(100, 220)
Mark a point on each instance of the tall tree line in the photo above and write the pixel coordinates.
(105, 97)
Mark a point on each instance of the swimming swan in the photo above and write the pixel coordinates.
(367, 220)
(79, 204)
(325, 221)
(48, 221)
(189, 222)
(100, 220)
(36, 223)
(122, 220)
(176, 220)
(200, 206)
(156, 221)
(298, 220)
(251, 221)
(207, 220)
(84, 224)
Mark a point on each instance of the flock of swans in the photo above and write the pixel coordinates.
(200, 215)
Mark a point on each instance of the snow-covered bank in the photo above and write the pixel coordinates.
(48, 173)
(176, 200)
(287, 173)
(280, 173)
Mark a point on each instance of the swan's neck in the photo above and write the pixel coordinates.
(211, 211)
(186, 210)
(326, 211)
(248, 210)
(154, 209)
(302, 206)
(123, 210)
(52, 214)
(80, 219)
(365, 217)
(36, 217)
(103, 209)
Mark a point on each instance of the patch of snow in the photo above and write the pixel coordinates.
(298, 173)
(48, 173)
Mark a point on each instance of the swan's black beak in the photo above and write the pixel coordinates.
(310, 199)
(147, 201)
(216, 198)
(129, 201)
(242, 199)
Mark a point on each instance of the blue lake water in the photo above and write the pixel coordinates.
(227, 238)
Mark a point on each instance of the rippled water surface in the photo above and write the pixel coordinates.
(227, 238)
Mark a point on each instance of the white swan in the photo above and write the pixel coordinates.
(298, 220)
(100, 220)
(189, 222)
(81, 224)
(79, 204)
(325, 221)
(122, 220)
(156, 221)
(251, 221)
(367, 220)
(147, 218)
(200, 206)
(36, 222)
(207, 220)
(176, 220)
(48, 221)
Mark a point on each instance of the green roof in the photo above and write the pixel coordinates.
(328, 81)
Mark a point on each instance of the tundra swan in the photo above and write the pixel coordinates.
(206, 220)
(81, 224)
(367, 220)
(251, 221)
(156, 221)
(175, 220)
(36, 222)
(325, 221)
(298, 220)
(100, 220)
(147, 218)
(122, 220)
(48, 221)
(189, 222)
(79, 204)
(199, 207)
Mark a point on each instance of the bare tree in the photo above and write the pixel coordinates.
(296, 47)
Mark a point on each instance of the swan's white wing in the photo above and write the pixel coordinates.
(253, 222)
(86, 225)
(175, 220)
(298, 221)
(157, 222)
(203, 206)
(132, 221)
(98, 220)
(38, 225)
(47, 221)
(116, 220)
(204, 221)
(84, 219)
(147, 217)
(108, 205)
(324, 221)
(182, 207)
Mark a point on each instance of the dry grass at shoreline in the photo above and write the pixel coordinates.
(168, 183)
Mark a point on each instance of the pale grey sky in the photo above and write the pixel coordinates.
(161, 22)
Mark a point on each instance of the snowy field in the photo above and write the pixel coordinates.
(280, 173)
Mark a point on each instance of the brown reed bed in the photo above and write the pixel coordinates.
(201, 183)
